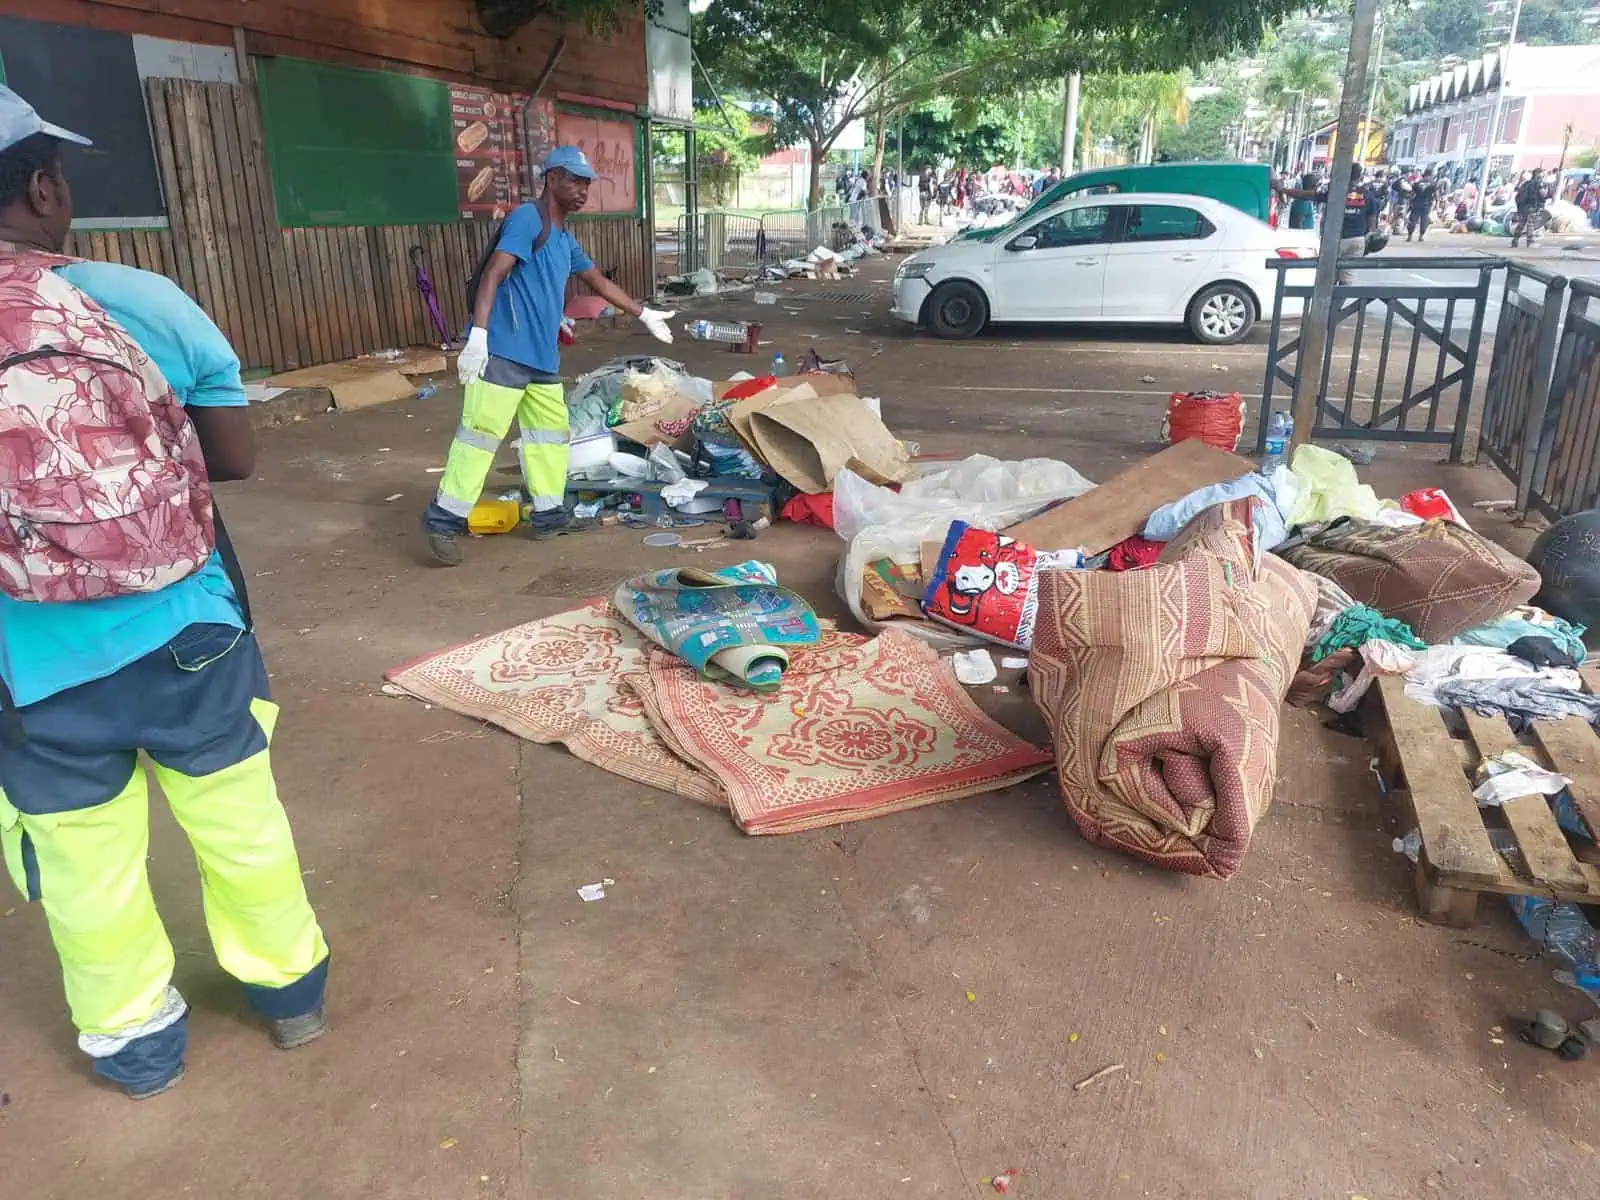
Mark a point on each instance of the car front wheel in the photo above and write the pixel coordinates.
(1222, 314)
(957, 309)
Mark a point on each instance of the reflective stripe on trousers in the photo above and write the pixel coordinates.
(540, 410)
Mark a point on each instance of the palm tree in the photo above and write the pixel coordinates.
(1298, 77)
(1149, 98)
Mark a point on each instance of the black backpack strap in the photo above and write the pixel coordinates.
(230, 565)
(476, 278)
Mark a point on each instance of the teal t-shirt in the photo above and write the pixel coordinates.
(48, 648)
(525, 323)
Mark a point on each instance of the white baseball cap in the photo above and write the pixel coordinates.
(19, 120)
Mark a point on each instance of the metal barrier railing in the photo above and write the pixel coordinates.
(1435, 356)
(1565, 473)
(1516, 397)
(718, 239)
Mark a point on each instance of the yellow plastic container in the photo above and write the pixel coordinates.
(494, 516)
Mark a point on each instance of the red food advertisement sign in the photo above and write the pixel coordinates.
(609, 147)
(494, 133)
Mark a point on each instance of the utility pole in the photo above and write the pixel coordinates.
(1372, 98)
(1499, 107)
(1317, 325)
(1069, 121)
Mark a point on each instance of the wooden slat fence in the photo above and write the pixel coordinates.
(291, 298)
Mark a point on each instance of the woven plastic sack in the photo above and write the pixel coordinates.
(1213, 418)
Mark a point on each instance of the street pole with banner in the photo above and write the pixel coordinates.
(1318, 323)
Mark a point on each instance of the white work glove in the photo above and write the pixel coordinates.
(656, 322)
(474, 356)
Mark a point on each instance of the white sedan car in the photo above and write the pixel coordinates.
(1136, 258)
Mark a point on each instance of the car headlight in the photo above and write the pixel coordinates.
(912, 269)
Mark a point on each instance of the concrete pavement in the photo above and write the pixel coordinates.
(785, 1017)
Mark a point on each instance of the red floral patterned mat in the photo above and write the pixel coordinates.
(562, 680)
(861, 727)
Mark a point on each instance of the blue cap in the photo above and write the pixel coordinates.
(18, 120)
(571, 160)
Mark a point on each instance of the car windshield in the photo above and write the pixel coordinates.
(1049, 200)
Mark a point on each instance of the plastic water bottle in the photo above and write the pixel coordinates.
(1280, 430)
(732, 332)
(1410, 845)
(779, 367)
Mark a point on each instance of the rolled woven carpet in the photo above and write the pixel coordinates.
(1163, 687)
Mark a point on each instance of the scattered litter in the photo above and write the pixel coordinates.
(1494, 505)
(435, 470)
(1102, 1073)
(766, 297)
(449, 1144)
(972, 997)
(426, 390)
(1072, 1037)
(1003, 1181)
(1014, 663)
(974, 667)
(393, 498)
(1218, 367)
(661, 541)
(1147, 379)
(595, 891)
(849, 330)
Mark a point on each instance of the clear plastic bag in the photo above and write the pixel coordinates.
(982, 491)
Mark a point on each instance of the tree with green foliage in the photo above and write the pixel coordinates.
(1438, 29)
(823, 65)
(1209, 132)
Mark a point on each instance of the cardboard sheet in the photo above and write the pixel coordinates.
(808, 442)
(356, 383)
(644, 430)
(1117, 509)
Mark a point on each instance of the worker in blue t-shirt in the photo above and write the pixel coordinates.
(511, 365)
(92, 691)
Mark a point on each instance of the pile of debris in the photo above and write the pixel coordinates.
(653, 445)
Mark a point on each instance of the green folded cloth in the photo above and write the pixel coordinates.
(1359, 624)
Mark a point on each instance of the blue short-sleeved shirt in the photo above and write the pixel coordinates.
(48, 648)
(526, 321)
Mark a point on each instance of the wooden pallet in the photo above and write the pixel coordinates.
(1426, 770)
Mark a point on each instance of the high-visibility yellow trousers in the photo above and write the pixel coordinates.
(86, 866)
(540, 410)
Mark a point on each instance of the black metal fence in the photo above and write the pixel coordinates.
(719, 240)
(1516, 397)
(1563, 421)
(1419, 338)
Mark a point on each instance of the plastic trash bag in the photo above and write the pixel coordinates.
(1567, 557)
(985, 492)
(593, 396)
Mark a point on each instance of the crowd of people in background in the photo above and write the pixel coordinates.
(1416, 200)
(1392, 198)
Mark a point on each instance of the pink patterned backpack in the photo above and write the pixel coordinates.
(103, 489)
